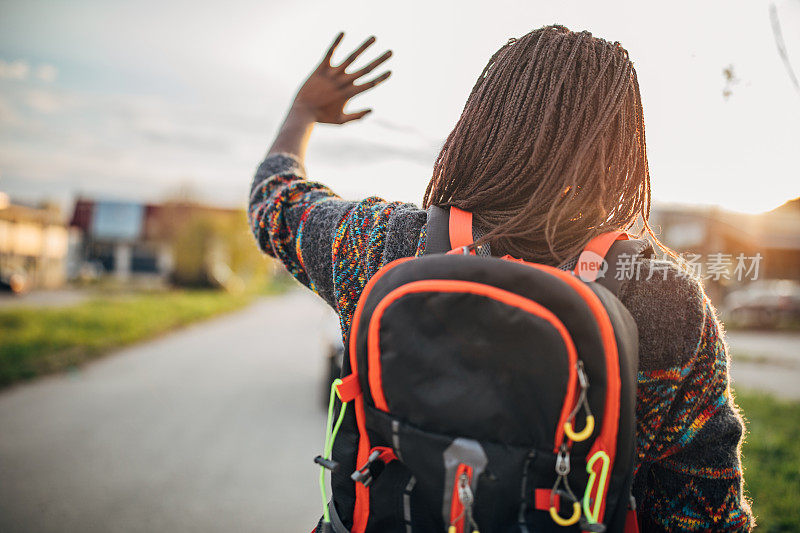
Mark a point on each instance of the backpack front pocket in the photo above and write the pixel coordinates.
(485, 363)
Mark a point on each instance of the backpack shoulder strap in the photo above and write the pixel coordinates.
(612, 246)
(451, 228)
(618, 254)
(437, 239)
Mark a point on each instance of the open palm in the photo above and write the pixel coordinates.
(328, 89)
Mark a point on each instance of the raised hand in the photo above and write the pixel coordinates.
(328, 89)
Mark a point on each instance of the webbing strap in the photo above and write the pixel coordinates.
(460, 228)
(542, 499)
(590, 261)
(387, 454)
(348, 388)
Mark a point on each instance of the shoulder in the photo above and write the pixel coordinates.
(670, 309)
(405, 232)
(391, 228)
(371, 234)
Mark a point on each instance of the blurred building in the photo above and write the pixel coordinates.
(169, 241)
(33, 246)
(118, 239)
(707, 232)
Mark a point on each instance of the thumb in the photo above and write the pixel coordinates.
(349, 117)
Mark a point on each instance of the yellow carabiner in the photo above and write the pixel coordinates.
(576, 514)
(592, 515)
(584, 433)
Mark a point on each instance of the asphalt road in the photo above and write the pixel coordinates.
(213, 428)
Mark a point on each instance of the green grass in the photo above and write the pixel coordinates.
(771, 456)
(40, 341)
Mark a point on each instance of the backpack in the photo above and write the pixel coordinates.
(485, 394)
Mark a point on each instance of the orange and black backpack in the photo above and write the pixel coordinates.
(485, 394)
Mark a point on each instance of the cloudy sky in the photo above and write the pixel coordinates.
(140, 100)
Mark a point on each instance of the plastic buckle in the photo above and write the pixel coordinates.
(363, 474)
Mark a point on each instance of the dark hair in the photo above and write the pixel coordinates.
(550, 147)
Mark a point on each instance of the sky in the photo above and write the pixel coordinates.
(148, 100)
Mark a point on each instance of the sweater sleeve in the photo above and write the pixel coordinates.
(283, 205)
(689, 432)
(330, 245)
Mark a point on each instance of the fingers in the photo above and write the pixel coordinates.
(352, 57)
(329, 53)
(349, 117)
(358, 89)
(372, 66)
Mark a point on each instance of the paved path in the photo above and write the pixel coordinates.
(768, 361)
(213, 428)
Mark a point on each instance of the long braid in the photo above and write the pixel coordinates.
(550, 147)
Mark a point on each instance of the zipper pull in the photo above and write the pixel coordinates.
(583, 401)
(562, 471)
(461, 503)
(467, 499)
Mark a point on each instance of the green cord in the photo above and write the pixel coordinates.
(330, 437)
(593, 516)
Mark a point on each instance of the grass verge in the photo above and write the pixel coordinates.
(40, 341)
(771, 457)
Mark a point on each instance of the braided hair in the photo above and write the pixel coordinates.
(549, 150)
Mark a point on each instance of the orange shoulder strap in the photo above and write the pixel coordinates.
(589, 262)
(460, 228)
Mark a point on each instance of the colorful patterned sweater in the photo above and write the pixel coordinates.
(688, 469)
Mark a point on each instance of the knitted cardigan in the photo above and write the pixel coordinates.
(688, 473)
